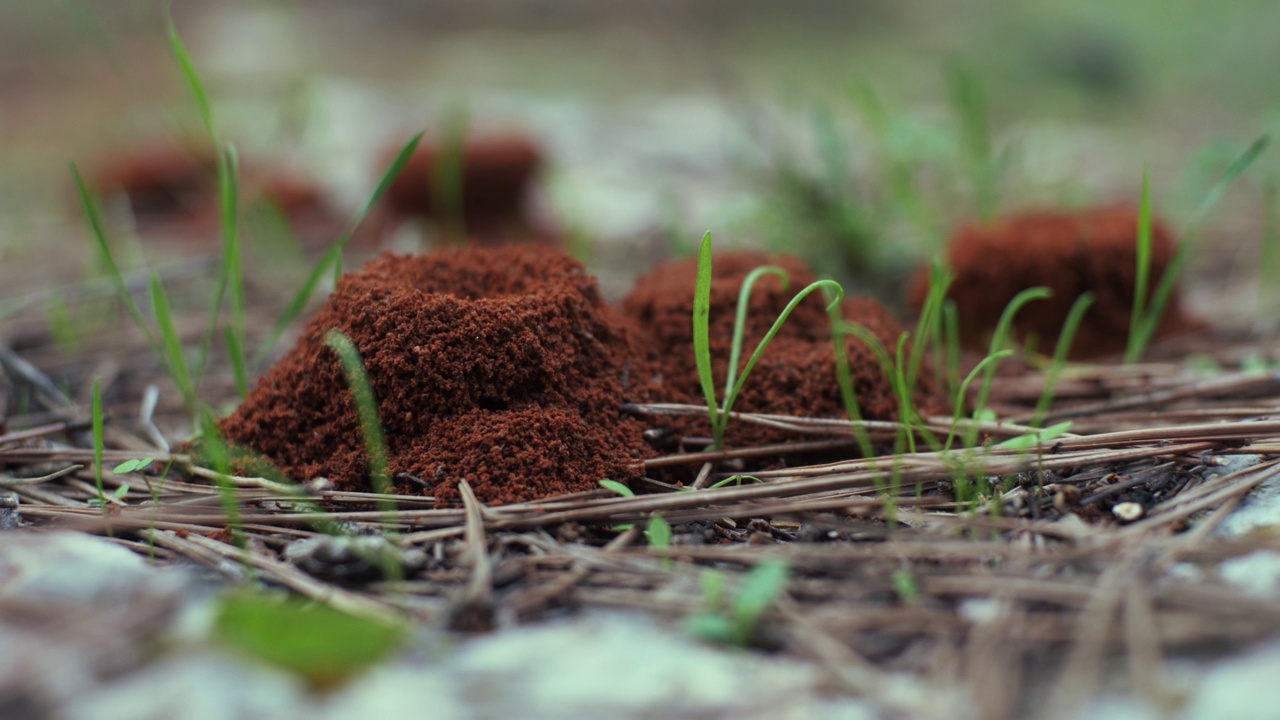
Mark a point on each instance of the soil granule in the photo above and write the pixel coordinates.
(505, 367)
(1068, 252)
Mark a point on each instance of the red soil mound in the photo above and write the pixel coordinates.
(175, 189)
(497, 177)
(1070, 253)
(503, 366)
(796, 374)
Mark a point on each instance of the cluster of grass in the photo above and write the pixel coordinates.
(273, 629)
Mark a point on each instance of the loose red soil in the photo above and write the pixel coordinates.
(1068, 252)
(505, 367)
(502, 366)
(796, 374)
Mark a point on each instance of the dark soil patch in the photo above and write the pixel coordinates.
(1070, 253)
(506, 368)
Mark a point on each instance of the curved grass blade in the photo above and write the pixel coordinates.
(740, 319)
(832, 287)
(333, 256)
(1001, 336)
(981, 367)
(1065, 339)
(366, 406)
(174, 356)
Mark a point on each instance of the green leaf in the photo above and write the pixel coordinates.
(134, 465)
(761, 588)
(320, 643)
(658, 532)
(121, 491)
(1030, 440)
(711, 627)
(617, 487)
(905, 585)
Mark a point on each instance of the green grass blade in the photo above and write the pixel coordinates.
(175, 357)
(1001, 336)
(831, 287)
(1142, 278)
(1233, 171)
(333, 256)
(617, 487)
(104, 251)
(1154, 312)
(986, 362)
(970, 103)
(230, 270)
(1065, 339)
(189, 73)
(366, 406)
(235, 349)
(702, 336)
(740, 319)
(214, 449)
(1269, 262)
(446, 180)
(97, 448)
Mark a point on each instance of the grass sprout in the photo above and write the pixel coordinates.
(1065, 338)
(737, 624)
(1144, 325)
(719, 412)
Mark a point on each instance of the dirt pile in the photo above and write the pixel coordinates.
(495, 179)
(796, 374)
(1070, 253)
(505, 367)
(502, 366)
(172, 191)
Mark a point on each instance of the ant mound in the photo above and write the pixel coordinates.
(173, 191)
(796, 375)
(1068, 252)
(495, 176)
(501, 366)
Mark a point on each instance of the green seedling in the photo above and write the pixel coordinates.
(1065, 338)
(735, 480)
(737, 624)
(331, 260)
(999, 340)
(959, 401)
(1147, 316)
(719, 412)
(658, 533)
(323, 645)
(1035, 439)
(906, 586)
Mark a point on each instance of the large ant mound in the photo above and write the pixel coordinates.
(1069, 253)
(503, 367)
(796, 375)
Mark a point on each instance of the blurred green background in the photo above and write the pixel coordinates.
(834, 128)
